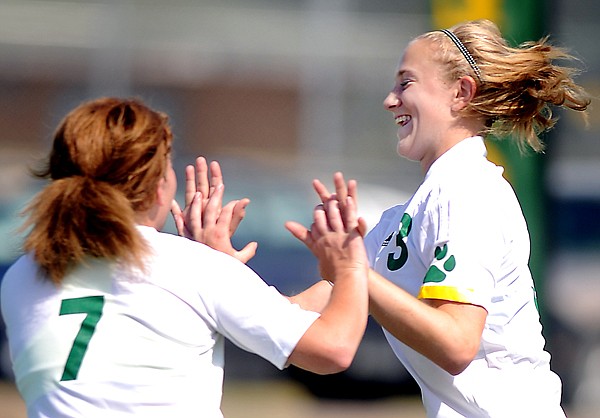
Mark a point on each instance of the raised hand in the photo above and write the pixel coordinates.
(342, 191)
(204, 218)
(335, 236)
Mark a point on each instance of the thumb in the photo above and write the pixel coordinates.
(298, 230)
(362, 227)
(177, 217)
(247, 253)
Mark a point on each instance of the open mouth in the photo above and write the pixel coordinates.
(402, 120)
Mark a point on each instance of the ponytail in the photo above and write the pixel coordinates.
(74, 218)
(107, 158)
(517, 87)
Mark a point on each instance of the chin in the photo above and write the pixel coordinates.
(402, 152)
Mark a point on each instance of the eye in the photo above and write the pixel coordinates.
(401, 85)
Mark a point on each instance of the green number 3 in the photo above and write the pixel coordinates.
(92, 306)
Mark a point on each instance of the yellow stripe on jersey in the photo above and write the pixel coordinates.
(452, 294)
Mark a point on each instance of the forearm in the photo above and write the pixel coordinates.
(447, 334)
(315, 298)
(330, 344)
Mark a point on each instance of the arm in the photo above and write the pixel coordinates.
(315, 298)
(445, 332)
(330, 344)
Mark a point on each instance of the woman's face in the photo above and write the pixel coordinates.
(420, 102)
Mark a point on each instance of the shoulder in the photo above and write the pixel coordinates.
(383, 228)
(21, 270)
(392, 213)
(176, 254)
(387, 217)
(164, 242)
(475, 180)
(22, 283)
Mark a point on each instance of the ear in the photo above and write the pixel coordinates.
(466, 87)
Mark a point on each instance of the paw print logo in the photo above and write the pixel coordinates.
(435, 274)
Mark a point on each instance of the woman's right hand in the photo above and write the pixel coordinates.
(342, 191)
(335, 236)
(203, 218)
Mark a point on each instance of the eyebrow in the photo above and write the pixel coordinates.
(402, 73)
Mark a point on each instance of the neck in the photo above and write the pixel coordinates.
(150, 218)
(449, 139)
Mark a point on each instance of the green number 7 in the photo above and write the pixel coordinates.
(92, 306)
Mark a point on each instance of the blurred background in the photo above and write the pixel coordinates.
(283, 91)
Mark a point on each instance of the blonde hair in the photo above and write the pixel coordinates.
(107, 158)
(517, 86)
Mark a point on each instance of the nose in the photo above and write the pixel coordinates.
(392, 101)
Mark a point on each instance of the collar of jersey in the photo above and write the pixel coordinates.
(459, 155)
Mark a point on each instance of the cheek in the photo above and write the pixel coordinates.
(171, 182)
(174, 181)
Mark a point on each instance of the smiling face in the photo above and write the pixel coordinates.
(421, 102)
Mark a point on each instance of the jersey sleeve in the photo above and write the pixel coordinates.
(461, 253)
(255, 316)
(376, 236)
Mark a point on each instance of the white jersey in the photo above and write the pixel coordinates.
(111, 342)
(462, 237)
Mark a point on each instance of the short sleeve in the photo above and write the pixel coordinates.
(256, 317)
(462, 255)
(377, 236)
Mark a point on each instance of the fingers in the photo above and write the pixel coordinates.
(334, 216)
(299, 231)
(341, 190)
(353, 191)
(320, 225)
(200, 182)
(213, 210)
(346, 194)
(194, 221)
(177, 217)
(223, 228)
(216, 176)
(239, 212)
(321, 190)
(329, 217)
(246, 253)
(190, 185)
(349, 216)
(362, 227)
(223, 221)
(203, 178)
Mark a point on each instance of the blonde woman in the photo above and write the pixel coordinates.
(449, 280)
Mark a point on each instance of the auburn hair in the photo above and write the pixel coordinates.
(107, 158)
(518, 85)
